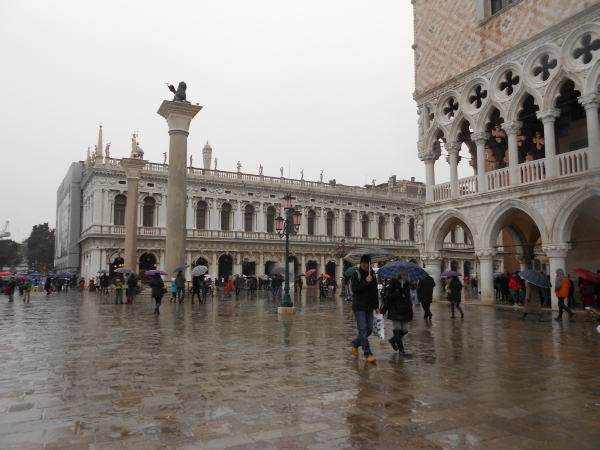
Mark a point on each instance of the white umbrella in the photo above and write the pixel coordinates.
(199, 270)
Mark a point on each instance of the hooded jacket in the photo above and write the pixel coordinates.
(561, 284)
(365, 296)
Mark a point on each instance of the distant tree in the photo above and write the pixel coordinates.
(10, 253)
(40, 246)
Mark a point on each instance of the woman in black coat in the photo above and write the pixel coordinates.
(157, 285)
(398, 305)
(196, 288)
(425, 294)
(455, 295)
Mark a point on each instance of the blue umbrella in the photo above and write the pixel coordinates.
(534, 277)
(35, 274)
(51, 274)
(391, 270)
(64, 275)
(450, 273)
(350, 271)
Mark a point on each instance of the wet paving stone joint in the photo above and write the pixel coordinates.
(79, 372)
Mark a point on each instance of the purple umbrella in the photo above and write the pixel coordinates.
(151, 273)
(450, 273)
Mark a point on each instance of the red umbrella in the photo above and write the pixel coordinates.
(5, 274)
(587, 275)
(326, 276)
(310, 272)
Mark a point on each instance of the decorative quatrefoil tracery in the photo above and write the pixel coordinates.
(586, 49)
(478, 98)
(452, 106)
(546, 65)
(508, 84)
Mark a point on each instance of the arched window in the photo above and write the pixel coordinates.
(201, 209)
(411, 229)
(348, 225)
(329, 220)
(453, 235)
(365, 226)
(120, 202)
(148, 212)
(225, 216)
(311, 222)
(271, 219)
(381, 227)
(397, 228)
(248, 215)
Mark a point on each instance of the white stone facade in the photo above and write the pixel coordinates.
(534, 108)
(244, 234)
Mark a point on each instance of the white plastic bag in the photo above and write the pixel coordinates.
(378, 326)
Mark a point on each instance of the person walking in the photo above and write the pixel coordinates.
(514, 287)
(10, 289)
(229, 287)
(196, 288)
(455, 288)
(158, 290)
(119, 285)
(562, 285)
(173, 291)
(364, 300)
(236, 284)
(48, 286)
(180, 282)
(413, 292)
(425, 293)
(205, 288)
(132, 284)
(588, 298)
(398, 305)
(299, 283)
(533, 303)
(27, 288)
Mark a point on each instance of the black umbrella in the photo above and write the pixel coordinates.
(349, 272)
(376, 254)
(181, 268)
(534, 277)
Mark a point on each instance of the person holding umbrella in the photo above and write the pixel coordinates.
(180, 283)
(119, 284)
(425, 293)
(562, 285)
(158, 286)
(399, 308)
(365, 299)
(196, 288)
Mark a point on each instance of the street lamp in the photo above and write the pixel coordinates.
(343, 254)
(286, 227)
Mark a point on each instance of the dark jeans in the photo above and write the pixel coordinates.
(426, 308)
(457, 307)
(562, 307)
(364, 324)
(180, 294)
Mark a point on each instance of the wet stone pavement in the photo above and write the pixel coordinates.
(79, 372)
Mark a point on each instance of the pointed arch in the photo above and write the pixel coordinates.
(569, 210)
(484, 116)
(495, 221)
(455, 127)
(444, 223)
(554, 87)
(433, 134)
(516, 105)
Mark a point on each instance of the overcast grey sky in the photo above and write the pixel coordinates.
(309, 85)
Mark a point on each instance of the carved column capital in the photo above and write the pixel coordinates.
(590, 101)
(548, 115)
(512, 127)
(480, 138)
(429, 156)
(559, 250)
(432, 257)
(485, 253)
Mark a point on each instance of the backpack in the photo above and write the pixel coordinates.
(589, 290)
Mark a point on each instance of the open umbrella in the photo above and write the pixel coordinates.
(278, 269)
(64, 275)
(535, 277)
(326, 275)
(450, 273)
(5, 274)
(103, 271)
(310, 272)
(391, 270)
(587, 275)
(199, 270)
(497, 275)
(124, 270)
(181, 268)
(151, 273)
(51, 274)
(349, 272)
(35, 274)
(377, 254)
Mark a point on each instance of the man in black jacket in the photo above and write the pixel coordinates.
(365, 299)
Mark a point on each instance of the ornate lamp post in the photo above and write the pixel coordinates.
(286, 227)
(343, 254)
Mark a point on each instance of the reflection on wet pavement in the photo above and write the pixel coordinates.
(80, 372)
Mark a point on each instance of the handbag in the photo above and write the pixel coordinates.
(164, 290)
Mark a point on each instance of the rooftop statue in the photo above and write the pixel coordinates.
(179, 93)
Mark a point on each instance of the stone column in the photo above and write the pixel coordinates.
(524, 262)
(591, 102)
(322, 268)
(433, 260)
(261, 269)
(486, 274)
(179, 116)
(214, 216)
(214, 270)
(133, 170)
(557, 254)
(453, 149)
(511, 129)
(548, 117)
(188, 271)
(428, 157)
(480, 140)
